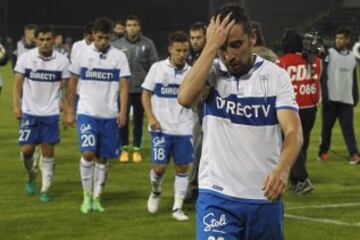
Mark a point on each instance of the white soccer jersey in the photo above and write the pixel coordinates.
(242, 138)
(42, 78)
(99, 75)
(164, 80)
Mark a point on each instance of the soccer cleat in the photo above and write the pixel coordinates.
(45, 197)
(137, 158)
(124, 157)
(323, 157)
(86, 204)
(153, 202)
(179, 215)
(355, 159)
(96, 205)
(30, 186)
(302, 188)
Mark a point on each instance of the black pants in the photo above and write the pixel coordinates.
(197, 144)
(134, 100)
(298, 172)
(345, 113)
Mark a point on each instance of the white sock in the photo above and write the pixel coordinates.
(99, 178)
(180, 186)
(86, 172)
(156, 181)
(28, 164)
(47, 167)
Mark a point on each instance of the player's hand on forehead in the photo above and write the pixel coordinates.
(218, 31)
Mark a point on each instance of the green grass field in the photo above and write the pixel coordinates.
(332, 211)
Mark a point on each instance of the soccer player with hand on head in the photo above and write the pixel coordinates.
(244, 165)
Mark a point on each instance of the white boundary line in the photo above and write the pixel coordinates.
(322, 220)
(325, 206)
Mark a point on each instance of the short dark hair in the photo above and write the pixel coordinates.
(30, 26)
(133, 18)
(238, 14)
(178, 36)
(89, 28)
(103, 25)
(291, 41)
(343, 30)
(46, 28)
(256, 28)
(119, 22)
(198, 26)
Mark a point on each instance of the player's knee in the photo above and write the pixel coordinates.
(47, 150)
(27, 150)
(181, 169)
(159, 169)
(88, 155)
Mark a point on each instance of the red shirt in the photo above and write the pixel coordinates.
(306, 85)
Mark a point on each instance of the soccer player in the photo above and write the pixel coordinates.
(103, 72)
(141, 54)
(39, 75)
(304, 71)
(170, 124)
(244, 164)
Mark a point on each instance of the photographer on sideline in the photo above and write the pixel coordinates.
(304, 69)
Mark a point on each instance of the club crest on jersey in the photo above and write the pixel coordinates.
(212, 224)
(84, 128)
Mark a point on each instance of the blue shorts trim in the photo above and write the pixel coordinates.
(219, 218)
(98, 135)
(163, 146)
(39, 129)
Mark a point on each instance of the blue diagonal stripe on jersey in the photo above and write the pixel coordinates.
(254, 111)
(99, 74)
(43, 75)
(166, 91)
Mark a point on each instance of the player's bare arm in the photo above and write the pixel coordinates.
(195, 81)
(123, 90)
(70, 118)
(276, 182)
(17, 93)
(146, 101)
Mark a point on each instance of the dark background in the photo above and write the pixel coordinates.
(159, 17)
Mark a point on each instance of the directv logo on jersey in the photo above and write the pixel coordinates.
(255, 111)
(43, 76)
(168, 91)
(100, 74)
(249, 111)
